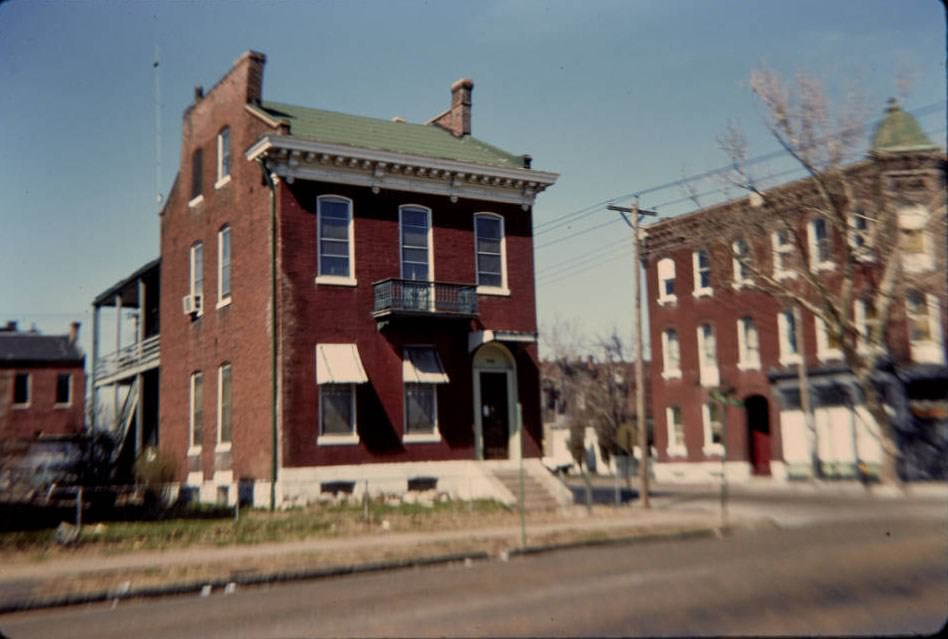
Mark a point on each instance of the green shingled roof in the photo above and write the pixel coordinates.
(899, 131)
(386, 135)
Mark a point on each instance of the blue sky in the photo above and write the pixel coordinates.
(618, 96)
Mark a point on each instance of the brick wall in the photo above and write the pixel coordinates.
(42, 415)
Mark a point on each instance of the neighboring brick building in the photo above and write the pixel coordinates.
(403, 294)
(42, 384)
(711, 328)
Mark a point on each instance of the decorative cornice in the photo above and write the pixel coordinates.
(294, 158)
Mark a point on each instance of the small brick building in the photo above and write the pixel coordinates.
(390, 338)
(711, 328)
(42, 384)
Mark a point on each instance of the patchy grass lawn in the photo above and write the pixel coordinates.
(260, 526)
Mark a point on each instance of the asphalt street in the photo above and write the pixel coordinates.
(841, 566)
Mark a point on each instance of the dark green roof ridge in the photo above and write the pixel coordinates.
(360, 131)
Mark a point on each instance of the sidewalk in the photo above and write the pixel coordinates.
(97, 577)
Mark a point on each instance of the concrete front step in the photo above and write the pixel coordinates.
(535, 495)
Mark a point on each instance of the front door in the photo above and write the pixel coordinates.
(494, 415)
(758, 431)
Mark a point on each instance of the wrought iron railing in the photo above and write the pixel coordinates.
(137, 356)
(394, 296)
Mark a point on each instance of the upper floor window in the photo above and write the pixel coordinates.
(741, 262)
(925, 331)
(666, 281)
(63, 389)
(821, 250)
(860, 227)
(866, 317)
(415, 234)
(707, 356)
(671, 354)
(223, 156)
(224, 410)
(21, 389)
(223, 266)
(827, 341)
(196, 279)
(783, 253)
(335, 247)
(787, 330)
(676, 431)
(914, 242)
(491, 253)
(702, 272)
(197, 410)
(197, 175)
(748, 344)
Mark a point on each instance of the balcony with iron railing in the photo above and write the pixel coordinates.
(128, 361)
(394, 297)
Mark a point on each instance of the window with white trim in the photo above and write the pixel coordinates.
(707, 356)
(415, 242)
(915, 244)
(337, 409)
(197, 277)
(421, 409)
(865, 316)
(741, 262)
(196, 426)
(64, 389)
(748, 344)
(21, 389)
(223, 156)
(224, 407)
(223, 266)
(787, 331)
(422, 372)
(197, 176)
(335, 250)
(666, 281)
(676, 432)
(783, 253)
(925, 332)
(671, 354)
(827, 343)
(860, 228)
(701, 261)
(713, 429)
(820, 242)
(491, 254)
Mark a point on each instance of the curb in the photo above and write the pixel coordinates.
(201, 586)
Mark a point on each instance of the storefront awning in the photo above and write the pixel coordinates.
(339, 364)
(423, 366)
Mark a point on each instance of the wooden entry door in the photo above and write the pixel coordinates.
(758, 431)
(495, 420)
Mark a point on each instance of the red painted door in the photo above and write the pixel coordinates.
(760, 451)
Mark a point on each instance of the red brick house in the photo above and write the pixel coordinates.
(390, 336)
(711, 328)
(42, 384)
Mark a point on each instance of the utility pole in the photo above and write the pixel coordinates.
(636, 214)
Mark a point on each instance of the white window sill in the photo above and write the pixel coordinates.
(703, 292)
(789, 360)
(493, 290)
(739, 284)
(422, 438)
(198, 200)
(673, 374)
(825, 356)
(222, 182)
(709, 376)
(62, 406)
(917, 262)
(824, 266)
(223, 447)
(713, 450)
(668, 300)
(336, 280)
(337, 440)
(785, 275)
(222, 303)
(748, 366)
(20, 406)
(928, 352)
(194, 451)
(676, 451)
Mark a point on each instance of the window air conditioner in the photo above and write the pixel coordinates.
(191, 304)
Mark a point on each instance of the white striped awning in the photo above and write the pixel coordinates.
(422, 365)
(339, 364)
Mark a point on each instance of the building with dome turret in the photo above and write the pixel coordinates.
(715, 326)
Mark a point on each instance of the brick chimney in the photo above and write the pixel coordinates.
(73, 332)
(249, 70)
(457, 119)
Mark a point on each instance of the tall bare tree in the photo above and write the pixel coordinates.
(854, 252)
